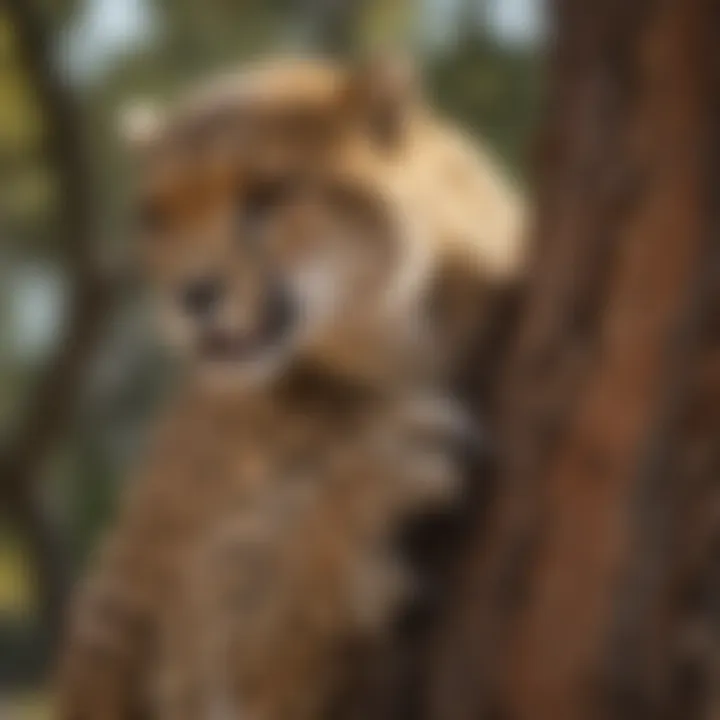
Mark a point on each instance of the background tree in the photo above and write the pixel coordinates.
(47, 411)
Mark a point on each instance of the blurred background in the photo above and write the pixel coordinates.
(80, 375)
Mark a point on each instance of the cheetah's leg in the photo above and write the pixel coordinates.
(105, 647)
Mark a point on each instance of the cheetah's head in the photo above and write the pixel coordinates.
(272, 219)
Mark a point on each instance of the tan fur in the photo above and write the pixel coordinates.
(252, 565)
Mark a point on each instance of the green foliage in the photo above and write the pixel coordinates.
(193, 38)
(25, 188)
(494, 89)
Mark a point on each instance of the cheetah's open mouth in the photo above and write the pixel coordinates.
(274, 328)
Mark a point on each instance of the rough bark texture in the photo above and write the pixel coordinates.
(594, 592)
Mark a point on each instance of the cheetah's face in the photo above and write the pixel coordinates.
(261, 243)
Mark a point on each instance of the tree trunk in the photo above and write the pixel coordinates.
(595, 590)
(51, 406)
(591, 587)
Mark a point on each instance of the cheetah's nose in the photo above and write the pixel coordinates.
(201, 296)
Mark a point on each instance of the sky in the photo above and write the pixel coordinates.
(107, 27)
(518, 20)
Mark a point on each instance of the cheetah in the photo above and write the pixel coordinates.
(316, 239)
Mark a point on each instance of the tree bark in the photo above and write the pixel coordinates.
(595, 590)
(53, 401)
(590, 588)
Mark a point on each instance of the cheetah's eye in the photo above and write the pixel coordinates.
(264, 198)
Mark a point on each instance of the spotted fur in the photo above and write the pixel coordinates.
(252, 566)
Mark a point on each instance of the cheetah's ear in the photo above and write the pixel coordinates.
(381, 94)
(140, 124)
